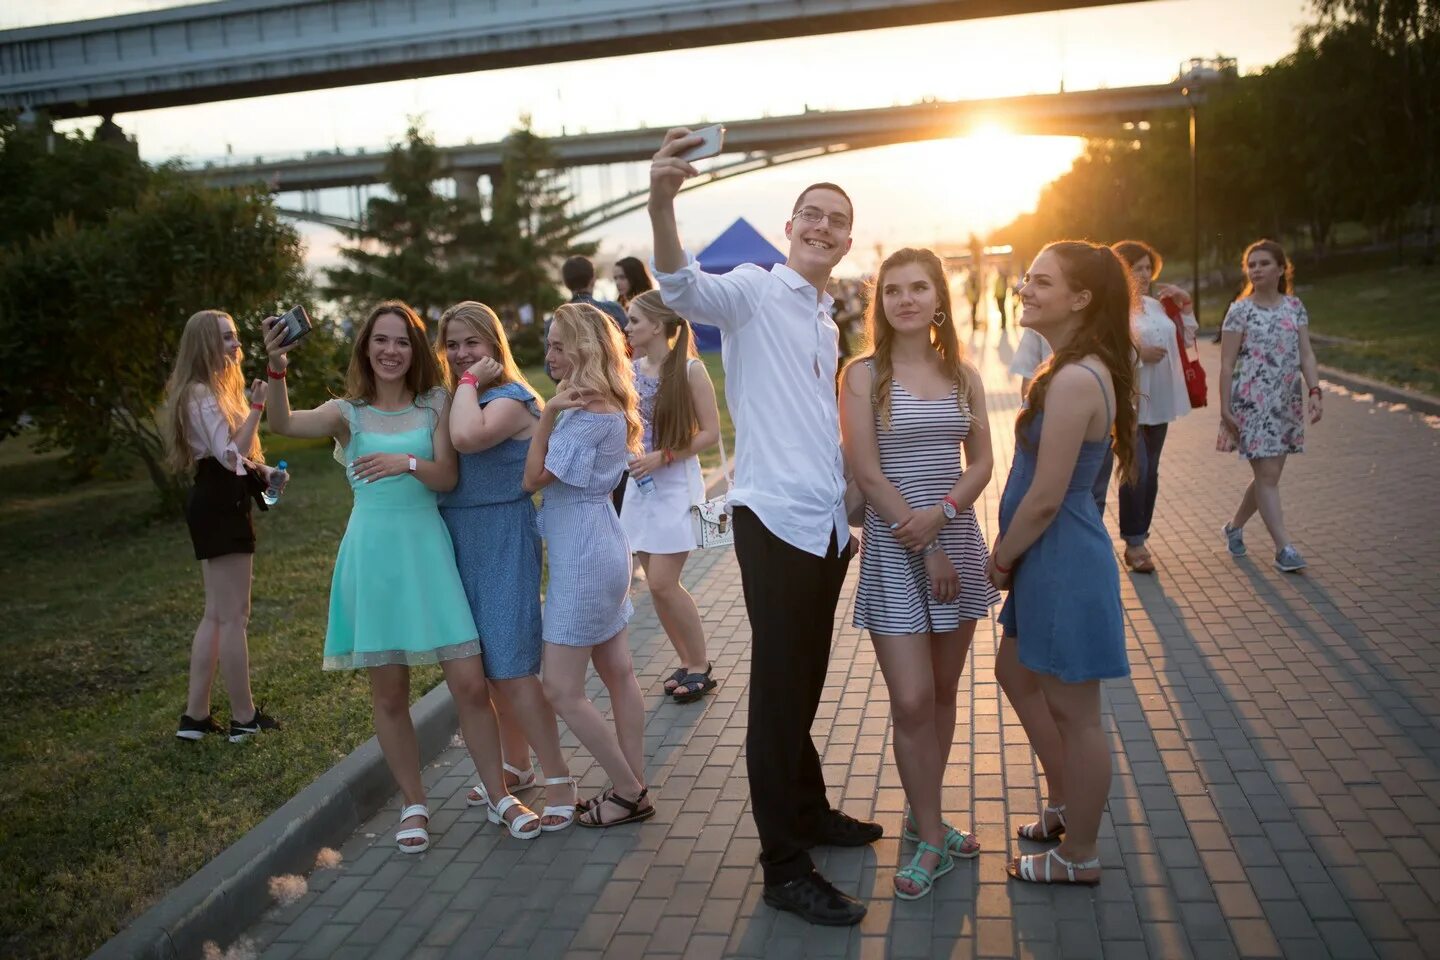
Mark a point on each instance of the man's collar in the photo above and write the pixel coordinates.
(794, 281)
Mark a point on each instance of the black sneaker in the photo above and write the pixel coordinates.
(261, 721)
(837, 829)
(815, 900)
(192, 729)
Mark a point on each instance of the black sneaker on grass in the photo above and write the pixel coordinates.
(192, 729)
(261, 721)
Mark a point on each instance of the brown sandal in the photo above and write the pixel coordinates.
(591, 816)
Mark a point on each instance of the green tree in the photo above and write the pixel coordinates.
(90, 314)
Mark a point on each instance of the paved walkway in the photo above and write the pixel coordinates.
(1276, 783)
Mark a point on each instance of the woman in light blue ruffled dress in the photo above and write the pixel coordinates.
(395, 598)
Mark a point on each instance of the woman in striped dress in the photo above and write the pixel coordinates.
(907, 410)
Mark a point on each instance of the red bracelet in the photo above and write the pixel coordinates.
(258, 407)
(1002, 569)
(1314, 391)
(275, 374)
(470, 378)
(668, 456)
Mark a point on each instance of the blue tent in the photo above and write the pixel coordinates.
(740, 243)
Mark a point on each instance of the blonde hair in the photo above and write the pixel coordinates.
(593, 343)
(200, 367)
(483, 323)
(676, 422)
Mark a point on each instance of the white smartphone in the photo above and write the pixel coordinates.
(713, 139)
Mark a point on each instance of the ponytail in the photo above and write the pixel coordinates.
(676, 422)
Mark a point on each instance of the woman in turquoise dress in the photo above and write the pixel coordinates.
(395, 598)
(497, 547)
(1063, 626)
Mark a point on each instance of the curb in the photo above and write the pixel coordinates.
(1414, 399)
(231, 892)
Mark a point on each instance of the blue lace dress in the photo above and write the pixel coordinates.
(588, 598)
(497, 548)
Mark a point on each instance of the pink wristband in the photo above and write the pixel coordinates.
(468, 377)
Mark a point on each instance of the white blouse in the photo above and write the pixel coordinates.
(209, 432)
(1163, 396)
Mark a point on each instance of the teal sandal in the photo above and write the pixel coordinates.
(955, 840)
(918, 875)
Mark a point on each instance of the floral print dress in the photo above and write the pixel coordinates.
(1265, 394)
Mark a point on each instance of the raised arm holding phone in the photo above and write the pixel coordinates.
(780, 351)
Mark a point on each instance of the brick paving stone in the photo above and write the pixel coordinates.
(1276, 756)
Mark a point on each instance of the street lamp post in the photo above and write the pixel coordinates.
(1194, 209)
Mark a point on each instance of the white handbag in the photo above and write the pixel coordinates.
(711, 519)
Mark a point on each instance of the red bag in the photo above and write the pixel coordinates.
(1194, 372)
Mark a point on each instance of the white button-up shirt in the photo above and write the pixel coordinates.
(780, 349)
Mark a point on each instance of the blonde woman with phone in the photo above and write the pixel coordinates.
(208, 429)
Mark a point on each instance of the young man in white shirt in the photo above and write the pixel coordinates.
(791, 537)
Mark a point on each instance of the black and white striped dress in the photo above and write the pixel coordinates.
(920, 455)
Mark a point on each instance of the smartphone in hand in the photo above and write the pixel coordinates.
(713, 139)
(296, 323)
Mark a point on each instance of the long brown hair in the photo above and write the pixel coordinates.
(943, 337)
(483, 323)
(676, 422)
(600, 364)
(1104, 331)
(426, 372)
(1287, 269)
(200, 367)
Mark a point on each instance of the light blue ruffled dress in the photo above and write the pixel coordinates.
(588, 598)
(497, 547)
(1064, 604)
(395, 596)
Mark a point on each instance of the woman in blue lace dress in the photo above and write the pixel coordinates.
(1063, 627)
(584, 439)
(497, 547)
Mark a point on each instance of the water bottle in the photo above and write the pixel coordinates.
(271, 496)
(645, 484)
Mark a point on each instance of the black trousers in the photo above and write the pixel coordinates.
(790, 597)
(1137, 500)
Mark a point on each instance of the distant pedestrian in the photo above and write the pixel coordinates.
(1163, 395)
(631, 279)
(578, 274)
(908, 409)
(1265, 353)
(209, 430)
(1000, 288)
(1063, 625)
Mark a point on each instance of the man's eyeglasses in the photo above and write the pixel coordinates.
(838, 221)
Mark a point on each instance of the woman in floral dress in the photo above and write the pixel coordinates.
(1264, 351)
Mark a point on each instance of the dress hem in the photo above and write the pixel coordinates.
(406, 658)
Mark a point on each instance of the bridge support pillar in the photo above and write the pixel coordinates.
(467, 186)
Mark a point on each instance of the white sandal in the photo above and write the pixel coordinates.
(497, 816)
(525, 779)
(1024, 868)
(566, 810)
(477, 797)
(1028, 831)
(414, 833)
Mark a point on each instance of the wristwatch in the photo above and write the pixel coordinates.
(947, 507)
(411, 464)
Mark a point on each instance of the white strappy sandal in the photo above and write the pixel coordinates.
(497, 816)
(414, 833)
(524, 779)
(1026, 868)
(566, 810)
(477, 797)
(1028, 831)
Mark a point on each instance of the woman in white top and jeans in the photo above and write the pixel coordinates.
(1163, 396)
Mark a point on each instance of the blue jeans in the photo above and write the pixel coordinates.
(1137, 500)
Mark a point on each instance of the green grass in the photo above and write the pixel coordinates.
(1386, 321)
(104, 810)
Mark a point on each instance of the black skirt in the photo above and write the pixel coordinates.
(217, 510)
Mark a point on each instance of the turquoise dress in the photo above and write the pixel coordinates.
(395, 597)
(1064, 604)
(497, 547)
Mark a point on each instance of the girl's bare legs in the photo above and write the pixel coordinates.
(390, 701)
(1263, 494)
(220, 638)
(515, 749)
(465, 676)
(620, 756)
(1022, 688)
(676, 608)
(905, 662)
(534, 719)
(948, 653)
(1086, 760)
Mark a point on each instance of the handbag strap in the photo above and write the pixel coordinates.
(724, 462)
(1172, 310)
